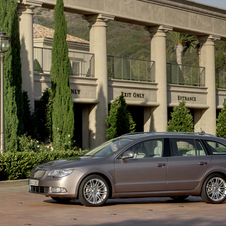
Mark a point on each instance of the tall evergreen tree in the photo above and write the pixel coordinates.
(182, 120)
(62, 106)
(221, 123)
(42, 117)
(119, 120)
(12, 76)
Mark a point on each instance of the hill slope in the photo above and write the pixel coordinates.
(124, 40)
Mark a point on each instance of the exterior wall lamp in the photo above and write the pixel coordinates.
(4, 47)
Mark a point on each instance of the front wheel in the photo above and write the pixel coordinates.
(93, 191)
(214, 189)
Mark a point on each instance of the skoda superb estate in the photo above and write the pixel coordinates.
(138, 165)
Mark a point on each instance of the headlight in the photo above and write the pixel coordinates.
(59, 173)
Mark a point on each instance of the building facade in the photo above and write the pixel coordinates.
(150, 92)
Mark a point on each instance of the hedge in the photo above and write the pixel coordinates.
(18, 165)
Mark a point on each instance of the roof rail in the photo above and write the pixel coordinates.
(155, 133)
(136, 133)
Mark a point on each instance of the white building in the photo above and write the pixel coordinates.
(153, 90)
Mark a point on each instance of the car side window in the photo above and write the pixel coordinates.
(216, 148)
(147, 149)
(186, 147)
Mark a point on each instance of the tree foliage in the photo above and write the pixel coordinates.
(180, 43)
(42, 117)
(119, 120)
(182, 120)
(220, 56)
(221, 122)
(13, 96)
(62, 106)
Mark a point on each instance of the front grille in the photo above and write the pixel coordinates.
(39, 189)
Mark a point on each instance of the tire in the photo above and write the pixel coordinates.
(179, 198)
(94, 191)
(61, 200)
(214, 189)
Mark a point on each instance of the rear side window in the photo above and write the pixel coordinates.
(186, 147)
(216, 148)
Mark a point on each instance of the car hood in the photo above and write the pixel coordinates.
(69, 162)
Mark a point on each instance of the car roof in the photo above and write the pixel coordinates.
(191, 135)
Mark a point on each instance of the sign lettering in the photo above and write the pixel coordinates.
(186, 98)
(75, 91)
(134, 95)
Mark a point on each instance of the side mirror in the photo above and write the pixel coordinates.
(128, 155)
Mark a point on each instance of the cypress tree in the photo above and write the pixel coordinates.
(62, 106)
(42, 117)
(221, 122)
(182, 120)
(14, 125)
(119, 120)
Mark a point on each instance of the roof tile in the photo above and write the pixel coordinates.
(40, 31)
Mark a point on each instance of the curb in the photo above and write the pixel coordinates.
(13, 183)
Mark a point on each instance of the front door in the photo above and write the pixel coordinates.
(145, 172)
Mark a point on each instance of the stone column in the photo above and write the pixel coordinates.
(206, 121)
(98, 46)
(25, 14)
(148, 111)
(158, 54)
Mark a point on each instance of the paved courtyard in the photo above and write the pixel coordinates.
(18, 207)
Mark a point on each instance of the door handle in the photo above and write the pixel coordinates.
(202, 163)
(160, 164)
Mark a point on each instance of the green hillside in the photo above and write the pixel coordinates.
(125, 40)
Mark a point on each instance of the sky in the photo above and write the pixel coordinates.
(217, 3)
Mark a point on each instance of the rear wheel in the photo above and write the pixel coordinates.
(214, 189)
(179, 198)
(61, 200)
(93, 191)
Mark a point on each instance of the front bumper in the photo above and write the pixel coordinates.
(67, 186)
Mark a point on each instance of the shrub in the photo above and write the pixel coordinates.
(221, 123)
(119, 120)
(18, 165)
(182, 120)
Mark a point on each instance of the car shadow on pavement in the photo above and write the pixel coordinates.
(128, 201)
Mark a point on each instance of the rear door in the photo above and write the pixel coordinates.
(145, 172)
(187, 165)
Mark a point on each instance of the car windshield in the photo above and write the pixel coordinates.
(109, 147)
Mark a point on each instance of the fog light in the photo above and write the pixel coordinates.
(59, 190)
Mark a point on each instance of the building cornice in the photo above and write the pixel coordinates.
(190, 6)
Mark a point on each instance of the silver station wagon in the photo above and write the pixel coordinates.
(138, 165)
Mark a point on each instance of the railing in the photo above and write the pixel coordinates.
(220, 79)
(81, 64)
(131, 69)
(185, 75)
